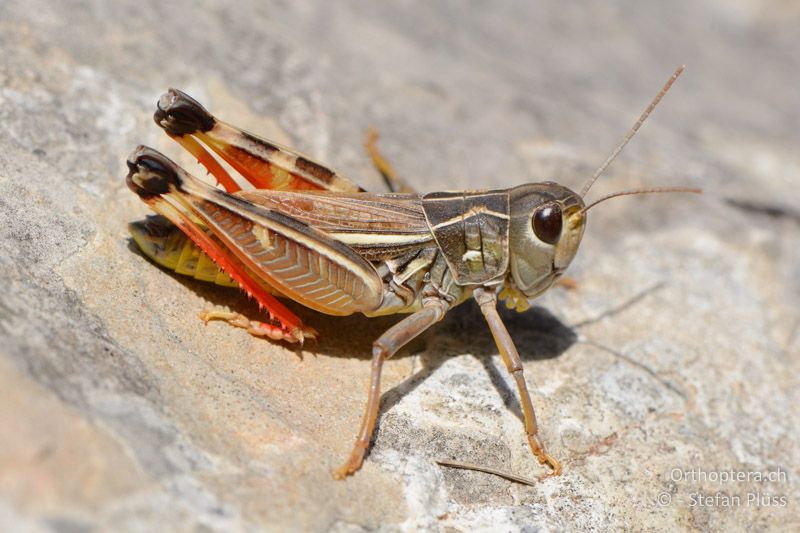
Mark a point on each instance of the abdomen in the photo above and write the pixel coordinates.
(166, 245)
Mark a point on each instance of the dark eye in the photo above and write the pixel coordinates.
(547, 223)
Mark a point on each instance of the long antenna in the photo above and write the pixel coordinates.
(633, 130)
(642, 191)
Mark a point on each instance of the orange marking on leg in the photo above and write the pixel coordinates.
(253, 169)
(260, 173)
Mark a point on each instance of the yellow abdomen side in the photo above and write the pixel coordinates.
(166, 245)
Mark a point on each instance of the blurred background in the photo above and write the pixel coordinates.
(678, 350)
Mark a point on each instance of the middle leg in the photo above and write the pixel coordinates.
(386, 346)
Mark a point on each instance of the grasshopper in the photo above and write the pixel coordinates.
(307, 233)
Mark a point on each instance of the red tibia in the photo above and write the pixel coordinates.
(208, 161)
(277, 311)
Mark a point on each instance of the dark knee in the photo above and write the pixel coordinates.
(379, 351)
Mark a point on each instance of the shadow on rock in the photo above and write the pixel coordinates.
(537, 333)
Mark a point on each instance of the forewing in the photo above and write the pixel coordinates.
(376, 226)
(296, 259)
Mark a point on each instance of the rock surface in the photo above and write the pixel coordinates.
(679, 349)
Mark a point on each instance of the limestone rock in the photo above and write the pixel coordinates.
(677, 352)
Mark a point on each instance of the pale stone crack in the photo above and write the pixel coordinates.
(639, 365)
(630, 302)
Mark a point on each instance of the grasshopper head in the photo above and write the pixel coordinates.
(546, 227)
(547, 219)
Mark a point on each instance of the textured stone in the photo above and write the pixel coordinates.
(679, 348)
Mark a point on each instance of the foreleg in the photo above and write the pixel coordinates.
(487, 300)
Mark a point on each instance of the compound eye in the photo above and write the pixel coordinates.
(547, 222)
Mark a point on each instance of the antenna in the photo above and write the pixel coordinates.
(642, 191)
(632, 131)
